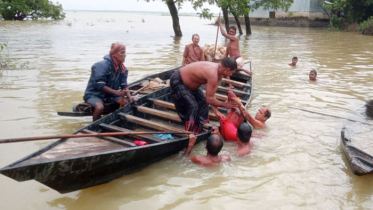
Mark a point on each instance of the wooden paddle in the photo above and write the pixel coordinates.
(305, 110)
(88, 135)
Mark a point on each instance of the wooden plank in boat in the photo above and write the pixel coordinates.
(222, 97)
(172, 106)
(112, 139)
(235, 83)
(120, 129)
(150, 124)
(165, 115)
(159, 113)
(239, 93)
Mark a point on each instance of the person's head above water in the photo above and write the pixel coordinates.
(313, 75)
(294, 61)
(214, 144)
(244, 132)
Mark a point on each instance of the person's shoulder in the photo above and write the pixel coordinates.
(201, 160)
(225, 158)
(101, 65)
(243, 152)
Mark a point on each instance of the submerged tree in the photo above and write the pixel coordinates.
(20, 9)
(175, 5)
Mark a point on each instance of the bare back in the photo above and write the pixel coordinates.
(199, 73)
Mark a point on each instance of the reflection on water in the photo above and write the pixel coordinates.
(299, 163)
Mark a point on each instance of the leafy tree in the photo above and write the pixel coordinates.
(20, 9)
(347, 11)
(175, 5)
(273, 4)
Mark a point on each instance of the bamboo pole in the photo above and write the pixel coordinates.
(216, 42)
(87, 135)
(305, 110)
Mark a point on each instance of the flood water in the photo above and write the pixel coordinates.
(298, 164)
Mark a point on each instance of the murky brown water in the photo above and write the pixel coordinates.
(299, 164)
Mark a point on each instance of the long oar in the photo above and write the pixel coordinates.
(87, 135)
(216, 42)
(305, 110)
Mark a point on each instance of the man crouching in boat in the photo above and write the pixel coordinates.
(191, 103)
(107, 77)
(213, 147)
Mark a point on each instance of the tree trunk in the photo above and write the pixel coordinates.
(237, 22)
(175, 17)
(247, 23)
(226, 19)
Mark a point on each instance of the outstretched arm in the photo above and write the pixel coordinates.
(224, 33)
(254, 122)
(211, 88)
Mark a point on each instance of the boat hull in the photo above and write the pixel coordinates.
(361, 163)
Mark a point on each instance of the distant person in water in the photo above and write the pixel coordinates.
(213, 147)
(193, 52)
(108, 81)
(313, 75)
(294, 61)
(233, 49)
(369, 108)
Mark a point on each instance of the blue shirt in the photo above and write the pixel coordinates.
(103, 74)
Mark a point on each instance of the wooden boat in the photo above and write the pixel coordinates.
(72, 164)
(85, 109)
(361, 163)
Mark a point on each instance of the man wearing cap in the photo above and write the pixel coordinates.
(108, 81)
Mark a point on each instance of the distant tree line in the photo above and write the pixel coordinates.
(34, 9)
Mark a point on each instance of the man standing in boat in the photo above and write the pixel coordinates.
(233, 49)
(108, 81)
(191, 103)
(193, 52)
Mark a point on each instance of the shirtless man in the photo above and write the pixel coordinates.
(293, 61)
(191, 103)
(233, 49)
(261, 116)
(213, 147)
(313, 75)
(193, 52)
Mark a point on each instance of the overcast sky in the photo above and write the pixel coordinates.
(125, 5)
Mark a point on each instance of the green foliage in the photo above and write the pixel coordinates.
(6, 61)
(273, 4)
(366, 25)
(353, 10)
(20, 9)
(336, 23)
